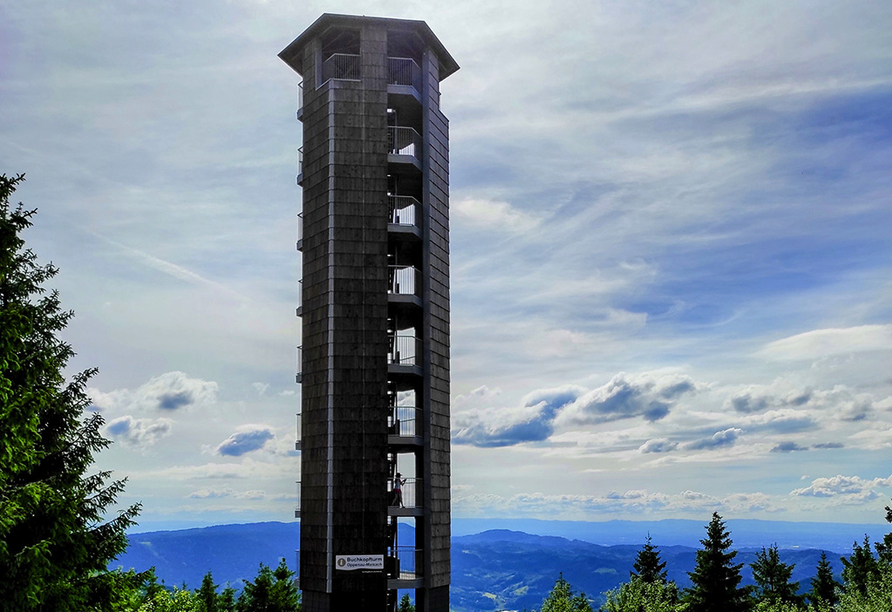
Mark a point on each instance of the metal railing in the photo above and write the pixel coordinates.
(410, 488)
(299, 378)
(405, 349)
(404, 562)
(403, 71)
(404, 210)
(404, 280)
(300, 165)
(300, 227)
(300, 98)
(402, 421)
(300, 299)
(298, 428)
(343, 66)
(404, 140)
(297, 505)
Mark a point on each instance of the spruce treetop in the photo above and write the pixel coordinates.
(648, 566)
(716, 578)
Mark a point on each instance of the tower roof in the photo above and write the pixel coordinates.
(292, 53)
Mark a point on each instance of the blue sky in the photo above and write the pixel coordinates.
(671, 265)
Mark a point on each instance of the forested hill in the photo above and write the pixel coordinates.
(498, 568)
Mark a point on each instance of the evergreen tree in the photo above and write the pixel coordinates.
(860, 569)
(55, 541)
(715, 578)
(884, 548)
(824, 587)
(648, 567)
(284, 594)
(405, 604)
(562, 599)
(256, 595)
(772, 577)
(271, 591)
(226, 600)
(207, 594)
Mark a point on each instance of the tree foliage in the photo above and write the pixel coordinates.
(637, 595)
(648, 566)
(271, 591)
(55, 540)
(405, 604)
(562, 599)
(861, 568)
(876, 596)
(824, 587)
(207, 594)
(772, 577)
(716, 578)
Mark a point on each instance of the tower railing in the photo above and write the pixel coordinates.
(405, 349)
(404, 280)
(300, 304)
(300, 99)
(409, 490)
(297, 505)
(402, 422)
(300, 165)
(403, 71)
(298, 432)
(300, 230)
(404, 563)
(404, 210)
(343, 66)
(299, 378)
(404, 141)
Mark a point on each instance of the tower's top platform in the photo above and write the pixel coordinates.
(292, 53)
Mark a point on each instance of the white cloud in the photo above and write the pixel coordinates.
(720, 439)
(252, 495)
(138, 433)
(658, 445)
(815, 344)
(639, 502)
(168, 392)
(494, 215)
(249, 438)
(850, 489)
(628, 396)
(542, 411)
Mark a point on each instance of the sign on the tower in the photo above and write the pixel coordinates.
(359, 562)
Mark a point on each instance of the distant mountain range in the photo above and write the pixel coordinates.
(504, 564)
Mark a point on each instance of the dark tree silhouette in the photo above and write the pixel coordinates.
(861, 568)
(772, 577)
(648, 566)
(55, 540)
(271, 591)
(824, 587)
(207, 594)
(716, 578)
